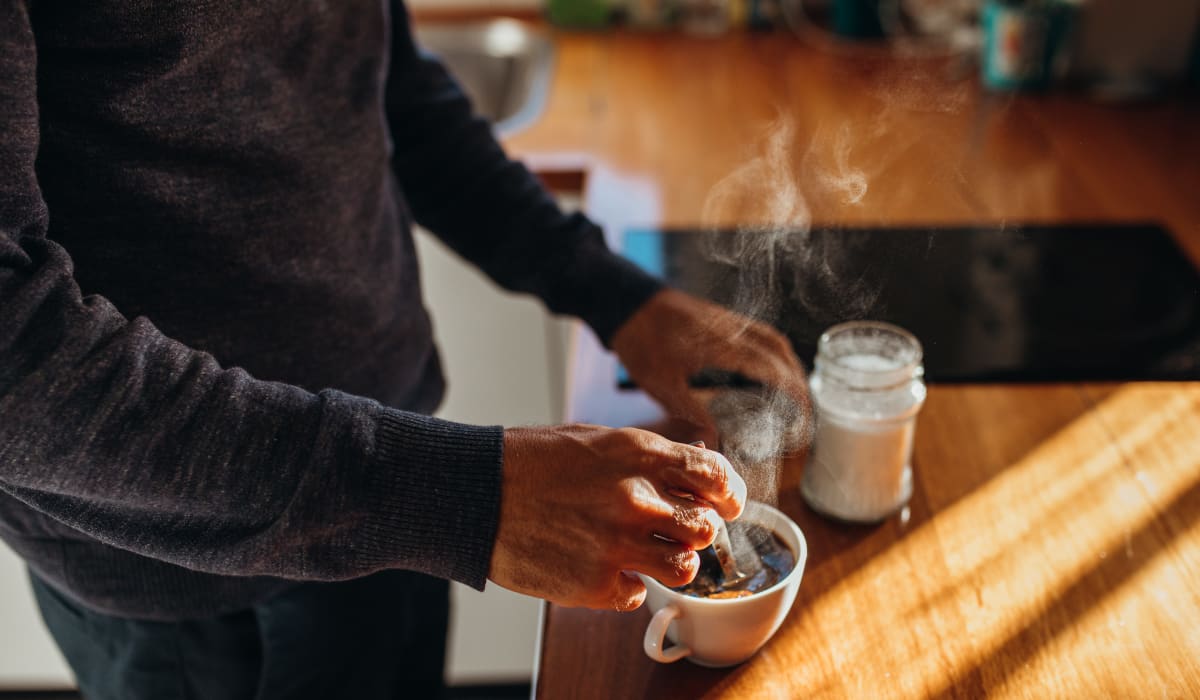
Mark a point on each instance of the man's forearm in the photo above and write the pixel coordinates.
(492, 210)
(149, 445)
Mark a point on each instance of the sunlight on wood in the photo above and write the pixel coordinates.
(1121, 626)
(996, 584)
(1013, 604)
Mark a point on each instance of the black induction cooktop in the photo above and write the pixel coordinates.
(989, 304)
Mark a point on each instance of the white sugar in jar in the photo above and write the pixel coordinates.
(867, 389)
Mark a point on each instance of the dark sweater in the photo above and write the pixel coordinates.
(214, 358)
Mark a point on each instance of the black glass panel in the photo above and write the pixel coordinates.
(1019, 303)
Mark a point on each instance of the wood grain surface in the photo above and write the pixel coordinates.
(1051, 549)
(1052, 545)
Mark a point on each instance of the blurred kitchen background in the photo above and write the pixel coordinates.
(636, 109)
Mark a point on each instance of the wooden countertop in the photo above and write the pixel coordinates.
(1051, 549)
(669, 117)
(1052, 545)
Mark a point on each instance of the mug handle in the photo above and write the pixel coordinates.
(656, 636)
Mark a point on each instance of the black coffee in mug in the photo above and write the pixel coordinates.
(760, 553)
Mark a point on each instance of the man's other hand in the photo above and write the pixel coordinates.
(674, 336)
(582, 507)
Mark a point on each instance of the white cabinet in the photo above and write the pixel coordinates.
(503, 359)
(28, 658)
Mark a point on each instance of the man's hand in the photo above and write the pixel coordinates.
(674, 336)
(583, 505)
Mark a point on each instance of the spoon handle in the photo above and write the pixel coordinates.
(723, 547)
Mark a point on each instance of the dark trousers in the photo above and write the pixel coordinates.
(383, 636)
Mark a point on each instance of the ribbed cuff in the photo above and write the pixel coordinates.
(436, 487)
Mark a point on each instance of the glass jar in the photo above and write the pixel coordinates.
(867, 388)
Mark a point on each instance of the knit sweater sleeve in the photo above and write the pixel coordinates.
(151, 446)
(490, 209)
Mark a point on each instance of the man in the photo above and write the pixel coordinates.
(216, 370)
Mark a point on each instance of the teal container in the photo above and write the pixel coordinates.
(1021, 41)
(857, 19)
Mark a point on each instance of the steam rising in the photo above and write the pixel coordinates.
(778, 264)
(776, 260)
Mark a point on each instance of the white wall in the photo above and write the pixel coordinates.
(502, 356)
(28, 658)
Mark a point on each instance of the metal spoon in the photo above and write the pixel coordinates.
(723, 548)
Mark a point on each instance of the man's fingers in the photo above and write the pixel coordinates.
(672, 563)
(628, 592)
(779, 344)
(782, 371)
(682, 403)
(710, 477)
(769, 357)
(690, 523)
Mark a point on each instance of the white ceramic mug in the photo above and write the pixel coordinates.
(724, 631)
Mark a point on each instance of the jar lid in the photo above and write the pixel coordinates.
(869, 355)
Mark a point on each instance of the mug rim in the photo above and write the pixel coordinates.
(797, 569)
